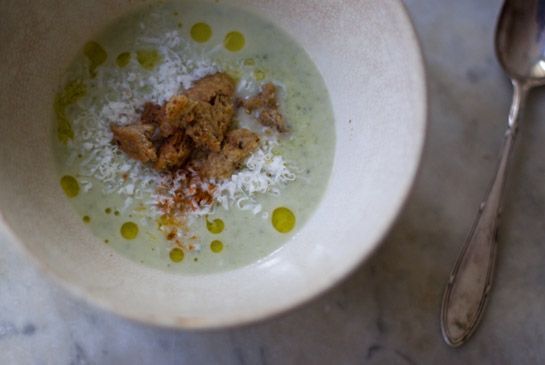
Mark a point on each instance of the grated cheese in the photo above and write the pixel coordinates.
(116, 96)
(263, 173)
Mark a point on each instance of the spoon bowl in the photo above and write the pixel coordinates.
(520, 41)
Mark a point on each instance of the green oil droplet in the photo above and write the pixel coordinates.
(86, 219)
(116, 213)
(108, 210)
(216, 246)
(201, 32)
(123, 59)
(249, 62)
(259, 75)
(283, 220)
(70, 186)
(106, 241)
(176, 255)
(234, 41)
(96, 55)
(148, 58)
(216, 226)
(129, 230)
(71, 93)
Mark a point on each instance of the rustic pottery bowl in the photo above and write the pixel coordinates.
(368, 55)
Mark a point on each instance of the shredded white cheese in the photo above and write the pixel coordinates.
(263, 173)
(116, 96)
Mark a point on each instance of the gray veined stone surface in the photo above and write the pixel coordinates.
(387, 312)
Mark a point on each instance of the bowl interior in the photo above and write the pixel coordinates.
(368, 55)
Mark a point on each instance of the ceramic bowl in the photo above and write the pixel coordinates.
(368, 55)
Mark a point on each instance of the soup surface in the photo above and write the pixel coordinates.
(152, 55)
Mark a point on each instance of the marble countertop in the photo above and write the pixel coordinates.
(388, 311)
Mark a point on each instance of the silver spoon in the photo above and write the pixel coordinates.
(520, 48)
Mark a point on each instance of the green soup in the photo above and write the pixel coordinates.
(150, 56)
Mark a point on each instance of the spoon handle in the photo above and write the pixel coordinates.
(469, 284)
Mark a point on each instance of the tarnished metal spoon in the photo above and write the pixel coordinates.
(520, 48)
